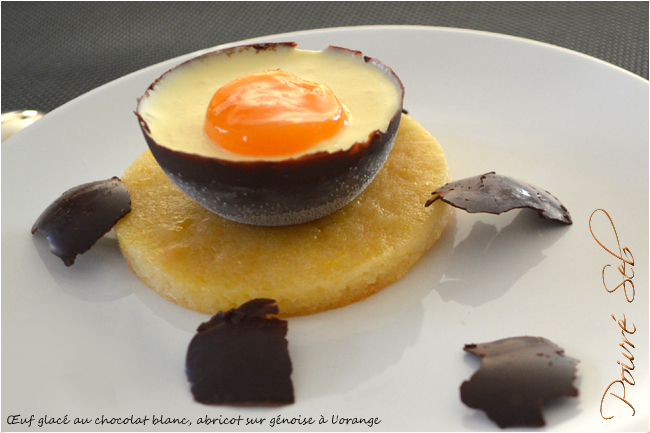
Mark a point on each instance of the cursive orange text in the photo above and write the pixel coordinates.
(623, 254)
(626, 376)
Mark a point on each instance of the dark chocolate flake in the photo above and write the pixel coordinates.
(241, 357)
(81, 216)
(494, 193)
(516, 377)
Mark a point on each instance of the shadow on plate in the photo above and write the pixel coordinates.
(488, 262)
(99, 275)
(337, 351)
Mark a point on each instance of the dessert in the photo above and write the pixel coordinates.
(214, 226)
(517, 375)
(81, 216)
(241, 357)
(268, 134)
(208, 263)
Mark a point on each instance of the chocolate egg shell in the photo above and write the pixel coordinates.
(277, 192)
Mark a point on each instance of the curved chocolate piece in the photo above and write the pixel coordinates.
(517, 375)
(81, 216)
(494, 193)
(241, 357)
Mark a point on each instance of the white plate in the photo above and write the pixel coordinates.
(92, 340)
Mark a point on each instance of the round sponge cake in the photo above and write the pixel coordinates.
(209, 264)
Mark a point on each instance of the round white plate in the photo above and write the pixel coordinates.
(92, 340)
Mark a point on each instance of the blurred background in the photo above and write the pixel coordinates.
(53, 52)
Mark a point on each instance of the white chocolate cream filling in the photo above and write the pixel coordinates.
(175, 109)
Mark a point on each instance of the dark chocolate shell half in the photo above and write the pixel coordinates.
(277, 192)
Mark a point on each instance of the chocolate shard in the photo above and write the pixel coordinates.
(517, 375)
(241, 357)
(495, 194)
(81, 216)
